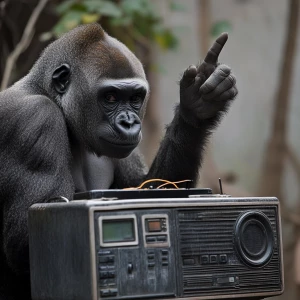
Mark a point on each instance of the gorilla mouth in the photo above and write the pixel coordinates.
(119, 149)
(122, 144)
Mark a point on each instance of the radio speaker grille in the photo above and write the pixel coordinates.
(254, 239)
(238, 243)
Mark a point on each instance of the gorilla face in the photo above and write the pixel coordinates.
(103, 97)
(120, 101)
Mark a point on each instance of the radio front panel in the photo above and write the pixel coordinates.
(193, 252)
(190, 249)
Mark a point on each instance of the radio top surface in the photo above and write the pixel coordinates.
(142, 193)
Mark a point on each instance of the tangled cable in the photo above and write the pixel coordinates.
(165, 183)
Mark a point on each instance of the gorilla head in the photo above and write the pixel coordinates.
(100, 86)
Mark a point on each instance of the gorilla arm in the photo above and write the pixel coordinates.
(205, 95)
(34, 166)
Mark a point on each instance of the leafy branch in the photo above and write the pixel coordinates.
(134, 22)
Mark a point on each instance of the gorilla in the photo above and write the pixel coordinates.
(74, 123)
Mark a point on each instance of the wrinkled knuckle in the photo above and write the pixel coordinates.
(220, 72)
(224, 69)
(232, 79)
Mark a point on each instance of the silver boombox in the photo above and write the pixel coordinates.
(156, 244)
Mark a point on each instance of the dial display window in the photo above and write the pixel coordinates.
(118, 230)
(154, 225)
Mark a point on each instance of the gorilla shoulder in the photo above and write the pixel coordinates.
(32, 126)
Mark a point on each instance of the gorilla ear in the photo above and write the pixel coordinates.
(60, 78)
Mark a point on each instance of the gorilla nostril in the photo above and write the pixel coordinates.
(126, 124)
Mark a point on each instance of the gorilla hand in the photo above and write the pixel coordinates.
(206, 90)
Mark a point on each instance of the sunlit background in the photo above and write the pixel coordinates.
(256, 148)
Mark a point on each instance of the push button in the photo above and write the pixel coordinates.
(107, 259)
(103, 259)
(111, 274)
(104, 293)
(113, 292)
(111, 259)
(150, 239)
(213, 259)
(204, 259)
(223, 259)
(162, 238)
(103, 274)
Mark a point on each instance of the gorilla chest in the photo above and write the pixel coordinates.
(91, 172)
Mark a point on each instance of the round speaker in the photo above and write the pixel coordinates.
(253, 238)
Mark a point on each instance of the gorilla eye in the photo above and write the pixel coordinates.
(137, 98)
(111, 98)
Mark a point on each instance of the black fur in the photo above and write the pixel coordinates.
(73, 124)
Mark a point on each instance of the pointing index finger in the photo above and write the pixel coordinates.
(215, 50)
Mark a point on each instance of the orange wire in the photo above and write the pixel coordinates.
(186, 180)
(153, 180)
(166, 182)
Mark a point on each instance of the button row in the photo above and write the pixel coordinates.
(151, 256)
(165, 257)
(105, 274)
(156, 238)
(213, 259)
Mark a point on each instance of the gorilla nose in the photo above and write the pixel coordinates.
(128, 124)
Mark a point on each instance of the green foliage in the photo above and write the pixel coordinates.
(165, 39)
(220, 27)
(132, 21)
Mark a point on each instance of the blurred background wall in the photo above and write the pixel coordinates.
(252, 154)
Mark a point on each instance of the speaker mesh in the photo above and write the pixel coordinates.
(254, 238)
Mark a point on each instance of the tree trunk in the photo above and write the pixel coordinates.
(273, 167)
